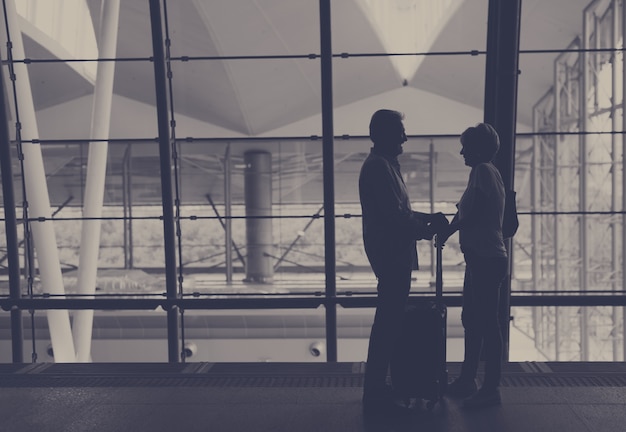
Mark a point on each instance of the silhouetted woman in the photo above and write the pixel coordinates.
(479, 222)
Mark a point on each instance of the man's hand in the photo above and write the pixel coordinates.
(438, 222)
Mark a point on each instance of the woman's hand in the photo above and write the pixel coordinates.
(444, 234)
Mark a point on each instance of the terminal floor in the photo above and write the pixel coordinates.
(299, 397)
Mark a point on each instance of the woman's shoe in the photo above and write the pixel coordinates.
(483, 398)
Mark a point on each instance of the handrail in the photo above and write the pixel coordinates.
(287, 301)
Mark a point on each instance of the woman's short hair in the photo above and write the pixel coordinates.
(381, 122)
(484, 138)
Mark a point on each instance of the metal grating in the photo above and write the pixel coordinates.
(281, 375)
(182, 381)
(554, 380)
(272, 381)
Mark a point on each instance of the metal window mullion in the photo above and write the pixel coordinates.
(128, 207)
(166, 177)
(228, 221)
(10, 223)
(432, 158)
(582, 204)
(534, 226)
(614, 167)
(623, 172)
(556, 237)
(534, 184)
(328, 179)
(501, 81)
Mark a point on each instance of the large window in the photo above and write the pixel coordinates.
(237, 113)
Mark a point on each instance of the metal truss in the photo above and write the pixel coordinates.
(577, 191)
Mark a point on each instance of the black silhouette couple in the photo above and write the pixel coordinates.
(390, 231)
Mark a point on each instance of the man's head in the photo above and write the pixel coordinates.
(387, 131)
(480, 144)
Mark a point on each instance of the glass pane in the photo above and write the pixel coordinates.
(267, 28)
(547, 333)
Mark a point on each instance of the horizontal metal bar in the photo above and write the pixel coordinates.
(166, 304)
(338, 138)
(569, 300)
(516, 300)
(307, 56)
(306, 216)
(288, 302)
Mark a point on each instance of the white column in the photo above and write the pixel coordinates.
(38, 199)
(96, 175)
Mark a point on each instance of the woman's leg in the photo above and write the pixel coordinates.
(469, 318)
(492, 275)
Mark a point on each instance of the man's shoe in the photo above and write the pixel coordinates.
(377, 407)
(461, 388)
(483, 398)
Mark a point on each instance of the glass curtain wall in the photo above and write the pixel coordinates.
(243, 115)
(574, 163)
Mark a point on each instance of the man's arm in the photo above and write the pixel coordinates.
(381, 195)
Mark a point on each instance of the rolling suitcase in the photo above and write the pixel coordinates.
(418, 367)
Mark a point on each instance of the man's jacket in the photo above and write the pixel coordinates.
(390, 227)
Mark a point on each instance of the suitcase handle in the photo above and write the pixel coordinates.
(438, 268)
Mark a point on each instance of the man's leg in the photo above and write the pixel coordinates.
(392, 298)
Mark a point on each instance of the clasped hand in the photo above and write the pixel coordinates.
(427, 225)
(437, 224)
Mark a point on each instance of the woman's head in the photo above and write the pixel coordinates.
(480, 144)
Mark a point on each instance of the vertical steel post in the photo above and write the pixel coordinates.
(582, 160)
(615, 124)
(624, 173)
(555, 206)
(491, 62)
(501, 111)
(329, 181)
(535, 183)
(432, 184)
(128, 207)
(165, 158)
(228, 222)
(10, 224)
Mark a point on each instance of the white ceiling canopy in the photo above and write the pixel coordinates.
(254, 97)
(65, 28)
(408, 26)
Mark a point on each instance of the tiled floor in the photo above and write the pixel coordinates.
(299, 397)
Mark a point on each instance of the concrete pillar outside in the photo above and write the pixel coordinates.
(258, 200)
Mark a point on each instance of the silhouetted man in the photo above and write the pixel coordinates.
(390, 231)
